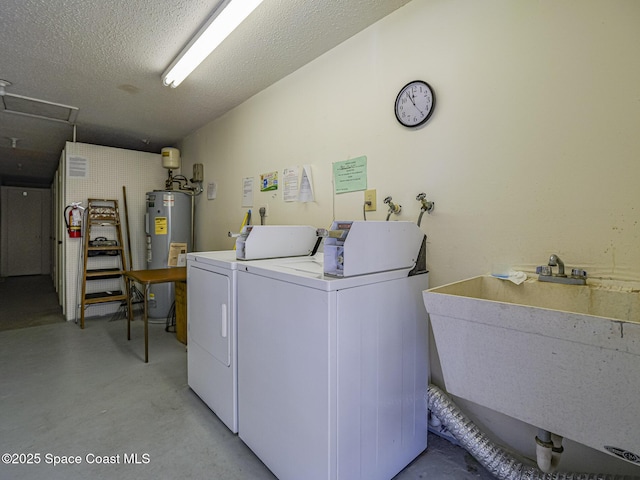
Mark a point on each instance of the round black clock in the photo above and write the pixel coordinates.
(415, 103)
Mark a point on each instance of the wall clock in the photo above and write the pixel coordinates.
(415, 103)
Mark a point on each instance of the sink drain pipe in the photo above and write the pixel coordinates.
(494, 458)
(548, 450)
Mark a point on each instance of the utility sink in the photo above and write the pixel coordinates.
(565, 358)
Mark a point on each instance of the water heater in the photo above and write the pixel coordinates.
(167, 225)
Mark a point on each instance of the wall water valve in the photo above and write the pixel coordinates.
(393, 207)
(426, 206)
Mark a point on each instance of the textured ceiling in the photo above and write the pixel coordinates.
(106, 58)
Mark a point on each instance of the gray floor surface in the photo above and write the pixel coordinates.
(67, 392)
(28, 301)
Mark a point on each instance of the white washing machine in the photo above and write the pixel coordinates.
(333, 371)
(212, 356)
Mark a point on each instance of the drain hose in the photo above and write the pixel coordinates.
(494, 458)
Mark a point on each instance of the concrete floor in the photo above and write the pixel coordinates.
(71, 392)
(28, 301)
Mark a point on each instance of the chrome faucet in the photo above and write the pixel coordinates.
(554, 261)
(545, 273)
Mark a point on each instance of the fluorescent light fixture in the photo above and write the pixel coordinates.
(212, 34)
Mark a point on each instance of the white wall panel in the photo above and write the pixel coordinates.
(108, 170)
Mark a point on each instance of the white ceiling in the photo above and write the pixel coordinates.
(106, 58)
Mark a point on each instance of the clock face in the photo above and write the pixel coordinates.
(415, 103)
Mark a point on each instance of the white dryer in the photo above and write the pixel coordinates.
(212, 330)
(212, 322)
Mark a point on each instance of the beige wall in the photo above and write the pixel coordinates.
(532, 149)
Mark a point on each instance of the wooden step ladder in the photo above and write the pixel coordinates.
(102, 218)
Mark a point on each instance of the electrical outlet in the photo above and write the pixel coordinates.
(266, 210)
(370, 200)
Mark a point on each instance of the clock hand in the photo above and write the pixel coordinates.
(411, 98)
(414, 104)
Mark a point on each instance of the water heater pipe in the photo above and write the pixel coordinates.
(494, 458)
(193, 223)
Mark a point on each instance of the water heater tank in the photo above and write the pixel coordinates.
(170, 158)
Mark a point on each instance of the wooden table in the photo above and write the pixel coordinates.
(146, 278)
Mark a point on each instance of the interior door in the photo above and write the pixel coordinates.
(24, 232)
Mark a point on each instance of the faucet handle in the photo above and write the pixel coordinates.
(544, 270)
(578, 273)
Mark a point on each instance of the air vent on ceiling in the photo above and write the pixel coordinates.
(32, 107)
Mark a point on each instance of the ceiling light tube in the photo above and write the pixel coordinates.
(212, 34)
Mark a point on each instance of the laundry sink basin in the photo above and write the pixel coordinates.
(565, 358)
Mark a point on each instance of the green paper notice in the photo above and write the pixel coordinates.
(350, 175)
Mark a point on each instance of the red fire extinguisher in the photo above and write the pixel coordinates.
(74, 221)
